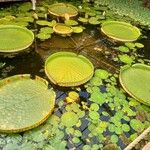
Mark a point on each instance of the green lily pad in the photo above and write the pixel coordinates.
(71, 22)
(43, 36)
(123, 49)
(62, 29)
(62, 9)
(46, 23)
(114, 138)
(120, 31)
(69, 119)
(136, 81)
(130, 45)
(103, 74)
(46, 30)
(139, 45)
(94, 115)
(94, 21)
(68, 69)
(77, 29)
(14, 38)
(137, 125)
(125, 59)
(24, 103)
(83, 20)
(125, 128)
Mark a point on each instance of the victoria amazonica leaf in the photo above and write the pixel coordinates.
(24, 103)
(14, 38)
(68, 69)
(120, 31)
(136, 81)
(61, 9)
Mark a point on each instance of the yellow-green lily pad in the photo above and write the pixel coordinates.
(136, 82)
(25, 103)
(62, 29)
(14, 38)
(68, 69)
(63, 10)
(120, 31)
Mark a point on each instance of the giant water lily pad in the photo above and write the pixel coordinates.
(14, 38)
(120, 31)
(62, 29)
(24, 103)
(63, 10)
(68, 69)
(136, 81)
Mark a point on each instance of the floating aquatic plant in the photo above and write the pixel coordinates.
(62, 29)
(63, 10)
(71, 70)
(71, 22)
(137, 125)
(69, 119)
(45, 33)
(93, 21)
(120, 31)
(72, 97)
(46, 23)
(14, 38)
(130, 78)
(18, 115)
(125, 59)
(83, 20)
(123, 49)
(114, 138)
(77, 29)
(103, 74)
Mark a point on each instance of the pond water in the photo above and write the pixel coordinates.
(99, 49)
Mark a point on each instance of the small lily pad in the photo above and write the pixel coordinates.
(71, 22)
(46, 23)
(77, 29)
(94, 21)
(69, 119)
(137, 125)
(62, 29)
(43, 36)
(125, 59)
(123, 49)
(103, 74)
(139, 45)
(83, 20)
(94, 115)
(114, 139)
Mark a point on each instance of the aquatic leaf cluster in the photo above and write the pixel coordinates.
(47, 136)
(133, 9)
(17, 15)
(91, 15)
(100, 115)
(129, 47)
(125, 116)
